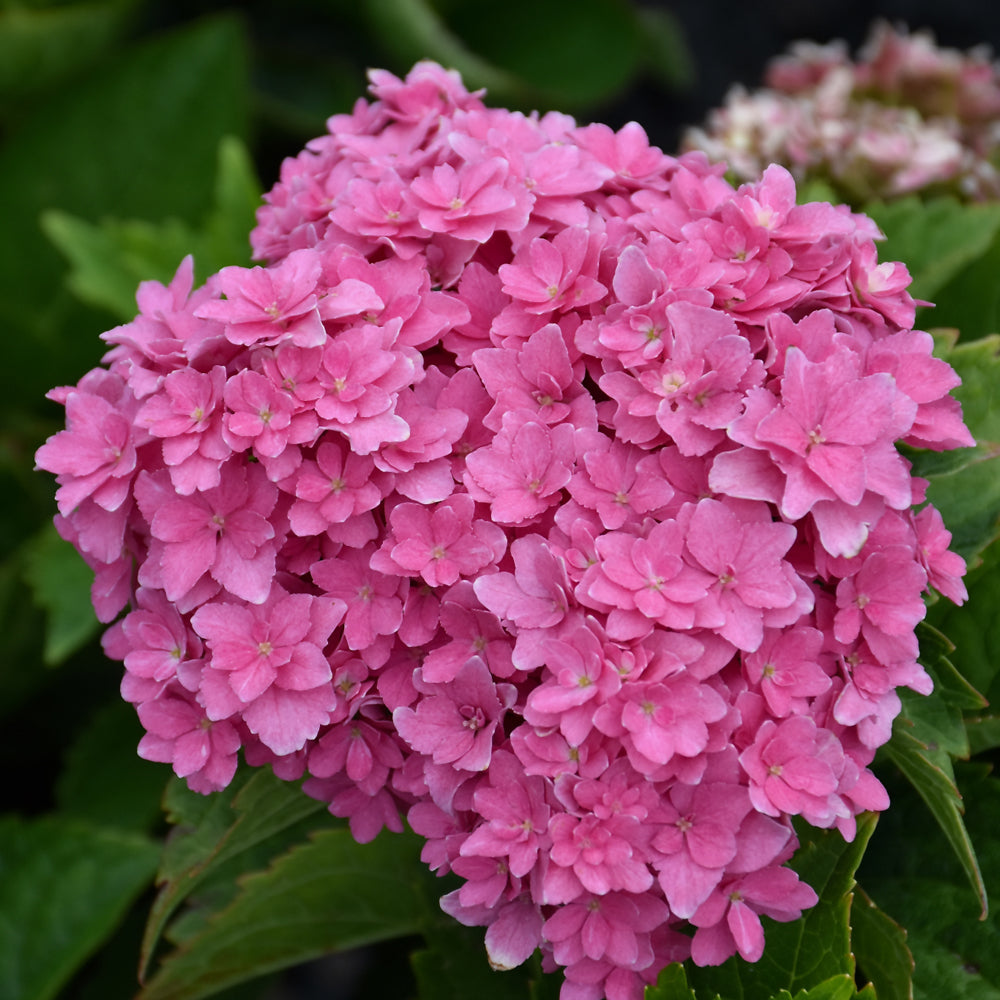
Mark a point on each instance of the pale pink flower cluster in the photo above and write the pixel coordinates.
(906, 116)
(541, 489)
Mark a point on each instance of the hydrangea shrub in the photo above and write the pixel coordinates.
(539, 490)
(906, 115)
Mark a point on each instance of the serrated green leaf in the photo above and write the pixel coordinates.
(935, 239)
(809, 951)
(836, 988)
(212, 830)
(936, 653)
(931, 774)
(326, 895)
(104, 780)
(60, 582)
(64, 885)
(879, 945)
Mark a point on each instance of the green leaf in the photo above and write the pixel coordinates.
(225, 238)
(931, 774)
(935, 239)
(969, 501)
(807, 952)
(213, 830)
(60, 582)
(104, 780)
(837, 988)
(671, 984)
(110, 259)
(936, 654)
(983, 732)
(64, 885)
(879, 945)
(970, 301)
(326, 895)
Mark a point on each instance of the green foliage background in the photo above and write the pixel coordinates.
(132, 133)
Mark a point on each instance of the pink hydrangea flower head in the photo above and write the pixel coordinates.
(539, 489)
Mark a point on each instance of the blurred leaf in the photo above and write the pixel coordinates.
(60, 581)
(412, 30)
(212, 830)
(47, 44)
(666, 55)
(110, 259)
(136, 138)
(807, 952)
(64, 885)
(326, 895)
(935, 239)
(104, 780)
(598, 50)
(931, 774)
(577, 53)
(879, 945)
(816, 189)
(941, 973)
(234, 212)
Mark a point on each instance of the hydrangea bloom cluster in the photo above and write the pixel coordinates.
(540, 488)
(906, 116)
